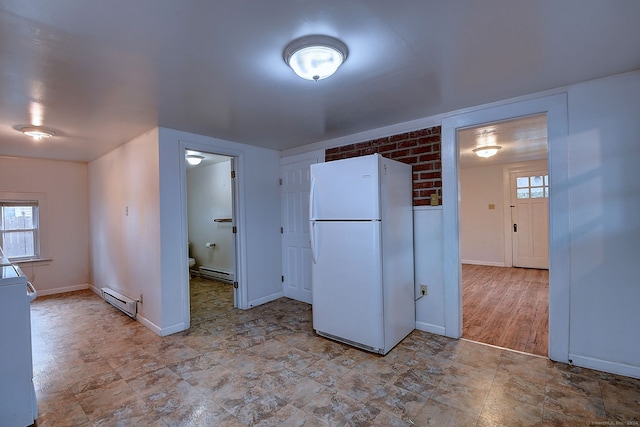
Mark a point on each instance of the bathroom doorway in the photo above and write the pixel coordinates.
(211, 234)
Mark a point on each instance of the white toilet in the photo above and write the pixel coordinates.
(192, 261)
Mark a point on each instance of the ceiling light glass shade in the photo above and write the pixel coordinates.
(315, 57)
(37, 133)
(194, 159)
(487, 151)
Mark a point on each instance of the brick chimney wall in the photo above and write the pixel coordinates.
(420, 149)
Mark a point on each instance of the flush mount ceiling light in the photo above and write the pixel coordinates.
(315, 57)
(36, 132)
(487, 150)
(194, 159)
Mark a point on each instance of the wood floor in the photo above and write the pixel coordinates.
(506, 307)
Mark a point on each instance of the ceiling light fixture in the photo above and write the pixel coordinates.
(36, 132)
(315, 57)
(194, 159)
(487, 150)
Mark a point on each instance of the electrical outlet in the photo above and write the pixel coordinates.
(423, 290)
(140, 299)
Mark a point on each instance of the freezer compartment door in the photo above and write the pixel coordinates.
(347, 281)
(345, 189)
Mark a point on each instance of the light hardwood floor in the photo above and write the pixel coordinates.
(506, 307)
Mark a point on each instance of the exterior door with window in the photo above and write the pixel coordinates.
(530, 219)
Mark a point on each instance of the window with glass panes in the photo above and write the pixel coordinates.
(532, 187)
(19, 229)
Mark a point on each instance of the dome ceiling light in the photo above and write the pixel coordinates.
(315, 57)
(194, 159)
(487, 150)
(486, 143)
(37, 132)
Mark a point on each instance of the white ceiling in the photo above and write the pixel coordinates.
(101, 72)
(522, 139)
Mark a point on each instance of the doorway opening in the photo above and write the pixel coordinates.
(211, 229)
(504, 234)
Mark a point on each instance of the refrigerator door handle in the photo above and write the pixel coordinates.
(312, 232)
(312, 193)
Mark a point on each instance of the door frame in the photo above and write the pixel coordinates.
(234, 214)
(241, 293)
(555, 107)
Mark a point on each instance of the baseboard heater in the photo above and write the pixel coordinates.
(119, 301)
(212, 273)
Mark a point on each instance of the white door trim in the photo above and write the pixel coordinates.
(240, 294)
(555, 106)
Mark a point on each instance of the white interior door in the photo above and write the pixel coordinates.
(530, 219)
(296, 251)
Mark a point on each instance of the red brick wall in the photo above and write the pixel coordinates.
(420, 148)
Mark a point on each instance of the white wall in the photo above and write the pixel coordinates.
(257, 172)
(66, 220)
(124, 203)
(146, 250)
(604, 175)
(209, 196)
(482, 230)
(428, 261)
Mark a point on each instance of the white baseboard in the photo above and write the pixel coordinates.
(63, 290)
(157, 329)
(487, 263)
(266, 299)
(605, 366)
(428, 327)
(146, 322)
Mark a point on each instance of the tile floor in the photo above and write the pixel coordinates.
(209, 299)
(93, 366)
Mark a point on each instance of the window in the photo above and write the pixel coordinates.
(532, 187)
(19, 229)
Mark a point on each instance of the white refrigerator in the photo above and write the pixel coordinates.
(361, 228)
